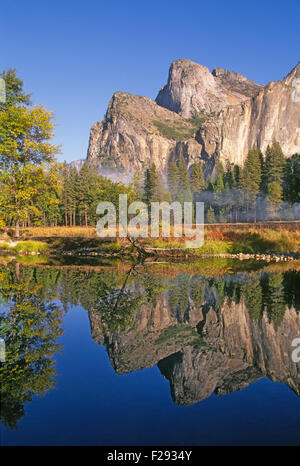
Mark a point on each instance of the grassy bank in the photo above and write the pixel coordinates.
(25, 247)
(229, 239)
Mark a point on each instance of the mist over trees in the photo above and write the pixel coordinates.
(267, 187)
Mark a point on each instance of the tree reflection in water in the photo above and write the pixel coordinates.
(30, 328)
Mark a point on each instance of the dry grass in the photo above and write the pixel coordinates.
(277, 237)
(259, 239)
(59, 232)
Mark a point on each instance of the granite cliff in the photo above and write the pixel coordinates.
(201, 114)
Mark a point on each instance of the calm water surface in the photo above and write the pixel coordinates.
(150, 355)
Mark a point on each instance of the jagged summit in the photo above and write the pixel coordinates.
(192, 88)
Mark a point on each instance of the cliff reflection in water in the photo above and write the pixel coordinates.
(206, 334)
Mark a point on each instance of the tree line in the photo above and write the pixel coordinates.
(267, 187)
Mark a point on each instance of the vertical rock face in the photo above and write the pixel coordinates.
(203, 115)
(273, 114)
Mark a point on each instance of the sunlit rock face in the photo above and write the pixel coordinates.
(134, 134)
(193, 89)
(274, 114)
(210, 335)
(204, 116)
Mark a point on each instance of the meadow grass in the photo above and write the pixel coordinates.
(59, 232)
(219, 239)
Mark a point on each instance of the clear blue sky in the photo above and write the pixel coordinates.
(72, 55)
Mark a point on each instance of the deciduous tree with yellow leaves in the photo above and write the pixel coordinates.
(26, 152)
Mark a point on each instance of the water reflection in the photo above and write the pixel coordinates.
(30, 327)
(206, 333)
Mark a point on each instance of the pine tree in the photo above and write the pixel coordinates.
(251, 174)
(197, 182)
(74, 195)
(83, 183)
(228, 177)
(274, 198)
(274, 164)
(251, 179)
(210, 215)
(183, 177)
(291, 184)
(236, 176)
(66, 195)
(173, 179)
(152, 185)
(218, 170)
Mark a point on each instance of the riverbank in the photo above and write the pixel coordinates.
(253, 246)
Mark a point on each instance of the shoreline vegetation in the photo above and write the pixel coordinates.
(271, 241)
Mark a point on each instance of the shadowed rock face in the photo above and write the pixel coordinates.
(208, 344)
(199, 114)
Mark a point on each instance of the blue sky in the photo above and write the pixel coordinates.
(72, 55)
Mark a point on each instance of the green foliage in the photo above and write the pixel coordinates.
(183, 176)
(14, 89)
(182, 334)
(173, 179)
(291, 183)
(274, 164)
(31, 246)
(197, 181)
(274, 192)
(251, 174)
(252, 292)
(24, 148)
(151, 185)
(175, 130)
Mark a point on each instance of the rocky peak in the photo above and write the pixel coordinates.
(295, 73)
(192, 88)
